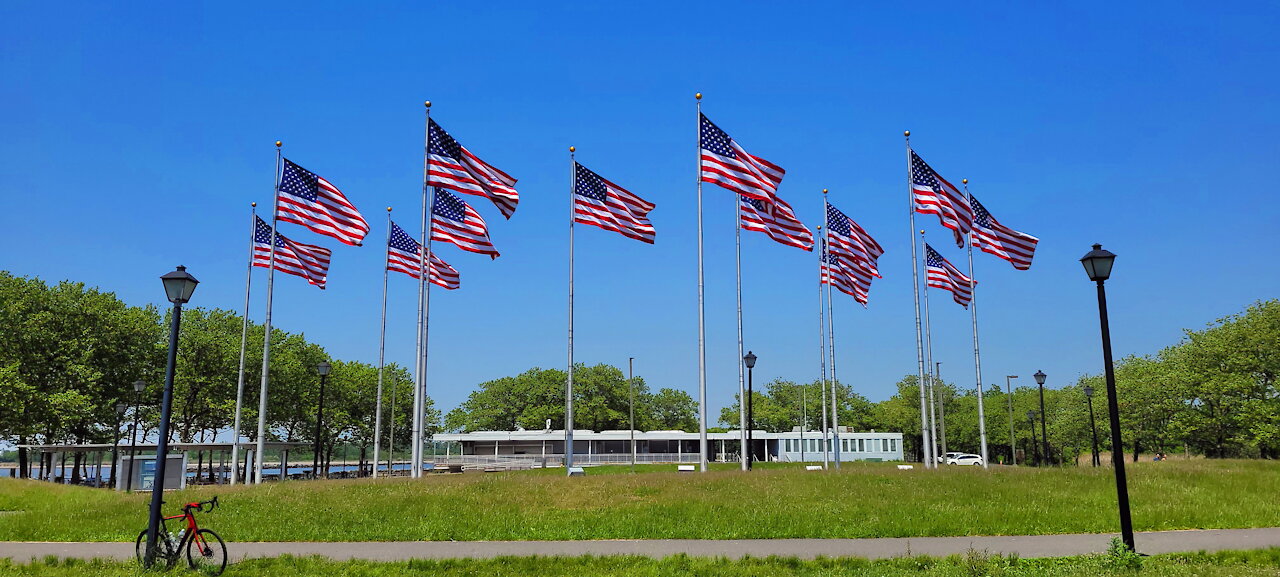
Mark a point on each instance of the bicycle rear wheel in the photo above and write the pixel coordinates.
(165, 557)
(206, 552)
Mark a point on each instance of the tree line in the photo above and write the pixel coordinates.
(69, 354)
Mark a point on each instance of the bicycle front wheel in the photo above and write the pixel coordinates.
(206, 552)
(164, 557)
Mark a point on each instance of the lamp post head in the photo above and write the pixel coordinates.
(179, 285)
(1039, 377)
(1011, 376)
(1097, 263)
(750, 360)
(323, 368)
(1031, 415)
(121, 408)
(1088, 391)
(138, 386)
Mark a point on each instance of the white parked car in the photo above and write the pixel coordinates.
(963, 459)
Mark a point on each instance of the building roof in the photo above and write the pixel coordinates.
(625, 435)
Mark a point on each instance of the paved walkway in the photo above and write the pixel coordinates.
(1024, 546)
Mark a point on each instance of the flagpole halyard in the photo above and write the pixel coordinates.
(742, 381)
(822, 337)
(977, 358)
(424, 296)
(244, 342)
(831, 329)
(702, 333)
(568, 391)
(266, 335)
(928, 348)
(925, 450)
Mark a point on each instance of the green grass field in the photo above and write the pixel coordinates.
(864, 500)
(1224, 564)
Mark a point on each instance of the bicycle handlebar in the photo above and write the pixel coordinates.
(203, 506)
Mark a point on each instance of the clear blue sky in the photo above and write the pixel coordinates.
(136, 135)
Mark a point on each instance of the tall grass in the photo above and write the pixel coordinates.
(862, 500)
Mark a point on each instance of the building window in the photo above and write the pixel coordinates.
(862, 445)
(893, 445)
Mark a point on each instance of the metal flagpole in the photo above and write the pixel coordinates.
(742, 383)
(702, 332)
(424, 300)
(928, 344)
(568, 389)
(941, 389)
(266, 335)
(382, 349)
(244, 343)
(822, 344)
(831, 328)
(926, 451)
(977, 358)
(391, 435)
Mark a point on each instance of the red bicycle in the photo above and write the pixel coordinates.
(205, 550)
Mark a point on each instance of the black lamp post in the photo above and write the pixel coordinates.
(138, 386)
(115, 448)
(323, 369)
(1097, 264)
(750, 360)
(1044, 430)
(1093, 429)
(178, 287)
(1035, 445)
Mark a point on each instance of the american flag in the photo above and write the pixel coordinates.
(404, 255)
(309, 200)
(601, 203)
(992, 237)
(849, 240)
(305, 260)
(777, 221)
(848, 277)
(942, 274)
(455, 168)
(728, 165)
(934, 195)
(454, 221)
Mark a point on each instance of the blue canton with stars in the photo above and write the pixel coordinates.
(715, 140)
(922, 174)
(402, 241)
(588, 184)
(299, 181)
(449, 206)
(442, 144)
(932, 258)
(981, 218)
(262, 234)
(837, 222)
(755, 203)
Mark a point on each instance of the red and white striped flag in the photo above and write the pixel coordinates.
(934, 195)
(849, 277)
(994, 238)
(405, 255)
(851, 241)
(311, 201)
(726, 164)
(455, 222)
(305, 260)
(778, 221)
(944, 275)
(455, 168)
(601, 203)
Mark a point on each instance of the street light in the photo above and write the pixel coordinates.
(179, 285)
(138, 386)
(1035, 448)
(323, 370)
(1093, 429)
(1044, 431)
(1008, 387)
(750, 360)
(1097, 264)
(115, 448)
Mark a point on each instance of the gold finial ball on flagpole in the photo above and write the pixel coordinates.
(906, 133)
(427, 104)
(573, 149)
(253, 205)
(964, 181)
(698, 96)
(922, 231)
(278, 143)
(824, 191)
(388, 209)
(819, 227)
